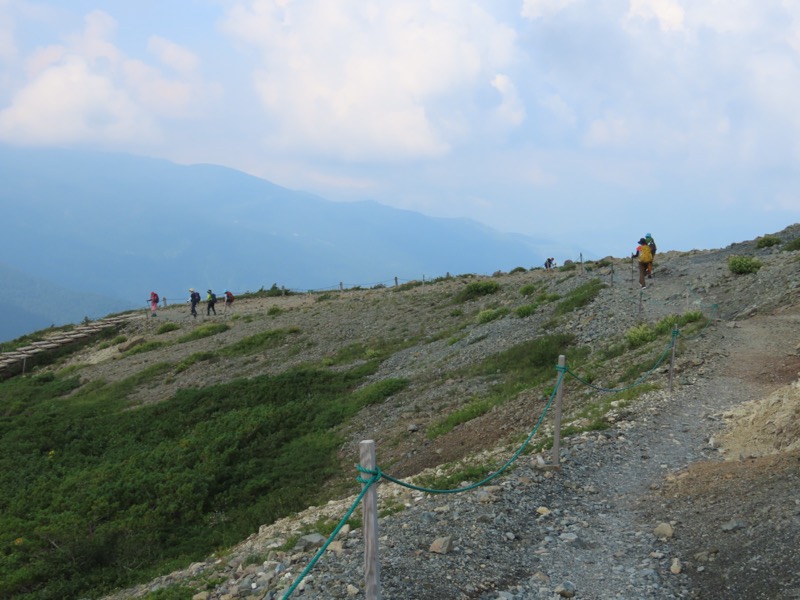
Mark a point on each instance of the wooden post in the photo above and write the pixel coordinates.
(581, 263)
(372, 565)
(612, 275)
(395, 282)
(341, 286)
(557, 418)
(672, 359)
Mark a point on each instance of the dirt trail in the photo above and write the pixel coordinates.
(738, 519)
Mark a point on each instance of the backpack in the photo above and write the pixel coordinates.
(213, 298)
(195, 296)
(645, 254)
(229, 297)
(652, 243)
(155, 298)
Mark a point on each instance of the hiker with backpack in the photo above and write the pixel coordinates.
(652, 243)
(153, 303)
(194, 298)
(645, 256)
(211, 300)
(228, 300)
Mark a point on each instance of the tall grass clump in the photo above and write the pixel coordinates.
(491, 314)
(266, 340)
(477, 289)
(203, 331)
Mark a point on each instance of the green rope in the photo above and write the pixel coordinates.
(562, 371)
(321, 551)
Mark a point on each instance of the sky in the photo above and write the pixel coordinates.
(589, 121)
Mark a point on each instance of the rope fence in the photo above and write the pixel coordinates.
(374, 474)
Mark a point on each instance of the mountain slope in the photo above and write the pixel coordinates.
(122, 226)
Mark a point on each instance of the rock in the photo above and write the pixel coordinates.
(565, 589)
(307, 542)
(442, 545)
(734, 525)
(676, 566)
(663, 531)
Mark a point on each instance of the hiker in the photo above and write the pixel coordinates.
(194, 298)
(645, 256)
(228, 300)
(153, 303)
(549, 264)
(211, 300)
(652, 243)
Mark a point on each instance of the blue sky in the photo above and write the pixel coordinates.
(577, 120)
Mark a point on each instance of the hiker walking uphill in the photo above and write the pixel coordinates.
(153, 303)
(194, 298)
(211, 300)
(228, 300)
(645, 256)
(652, 243)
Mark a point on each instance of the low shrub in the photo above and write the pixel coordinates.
(791, 245)
(476, 289)
(526, 310)
(744, 265)
(518, 270)
(490, 314)
(768, 241)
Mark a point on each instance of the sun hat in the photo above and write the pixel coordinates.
(191, 289)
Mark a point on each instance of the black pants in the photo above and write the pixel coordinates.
(210, 308)
(194, 309)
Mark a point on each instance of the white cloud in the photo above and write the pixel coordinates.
(511, 110)
(171, 54)
(87, 91)
(369, 80)
(668, 13)
(533, 9)
(67, 104)
(559, 108)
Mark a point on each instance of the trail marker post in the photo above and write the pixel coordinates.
(672, 359)
(562, 361)
(372, 565)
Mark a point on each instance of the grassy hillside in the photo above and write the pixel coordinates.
(177, 438)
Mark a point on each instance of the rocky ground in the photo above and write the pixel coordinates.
(689, 494)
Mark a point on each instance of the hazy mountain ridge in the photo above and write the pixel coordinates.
(121, 226)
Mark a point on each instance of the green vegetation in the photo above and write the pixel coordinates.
(592, 417)
(118, 495)
(324, 297)
(167, 327)
(768, 241)
(476, 289)
(260, 342)
(791, 245)
(203, 331)
(519, 368)
(743, 265)
(491, 314)
(274, 311)
(272, 292)
(518, 270)
(452, 480)
(580, 296)
(528, 289)
(568, 267)
(194, 359)
(145, 347)
(526, 310)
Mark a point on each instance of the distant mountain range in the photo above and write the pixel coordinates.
(90, 233)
